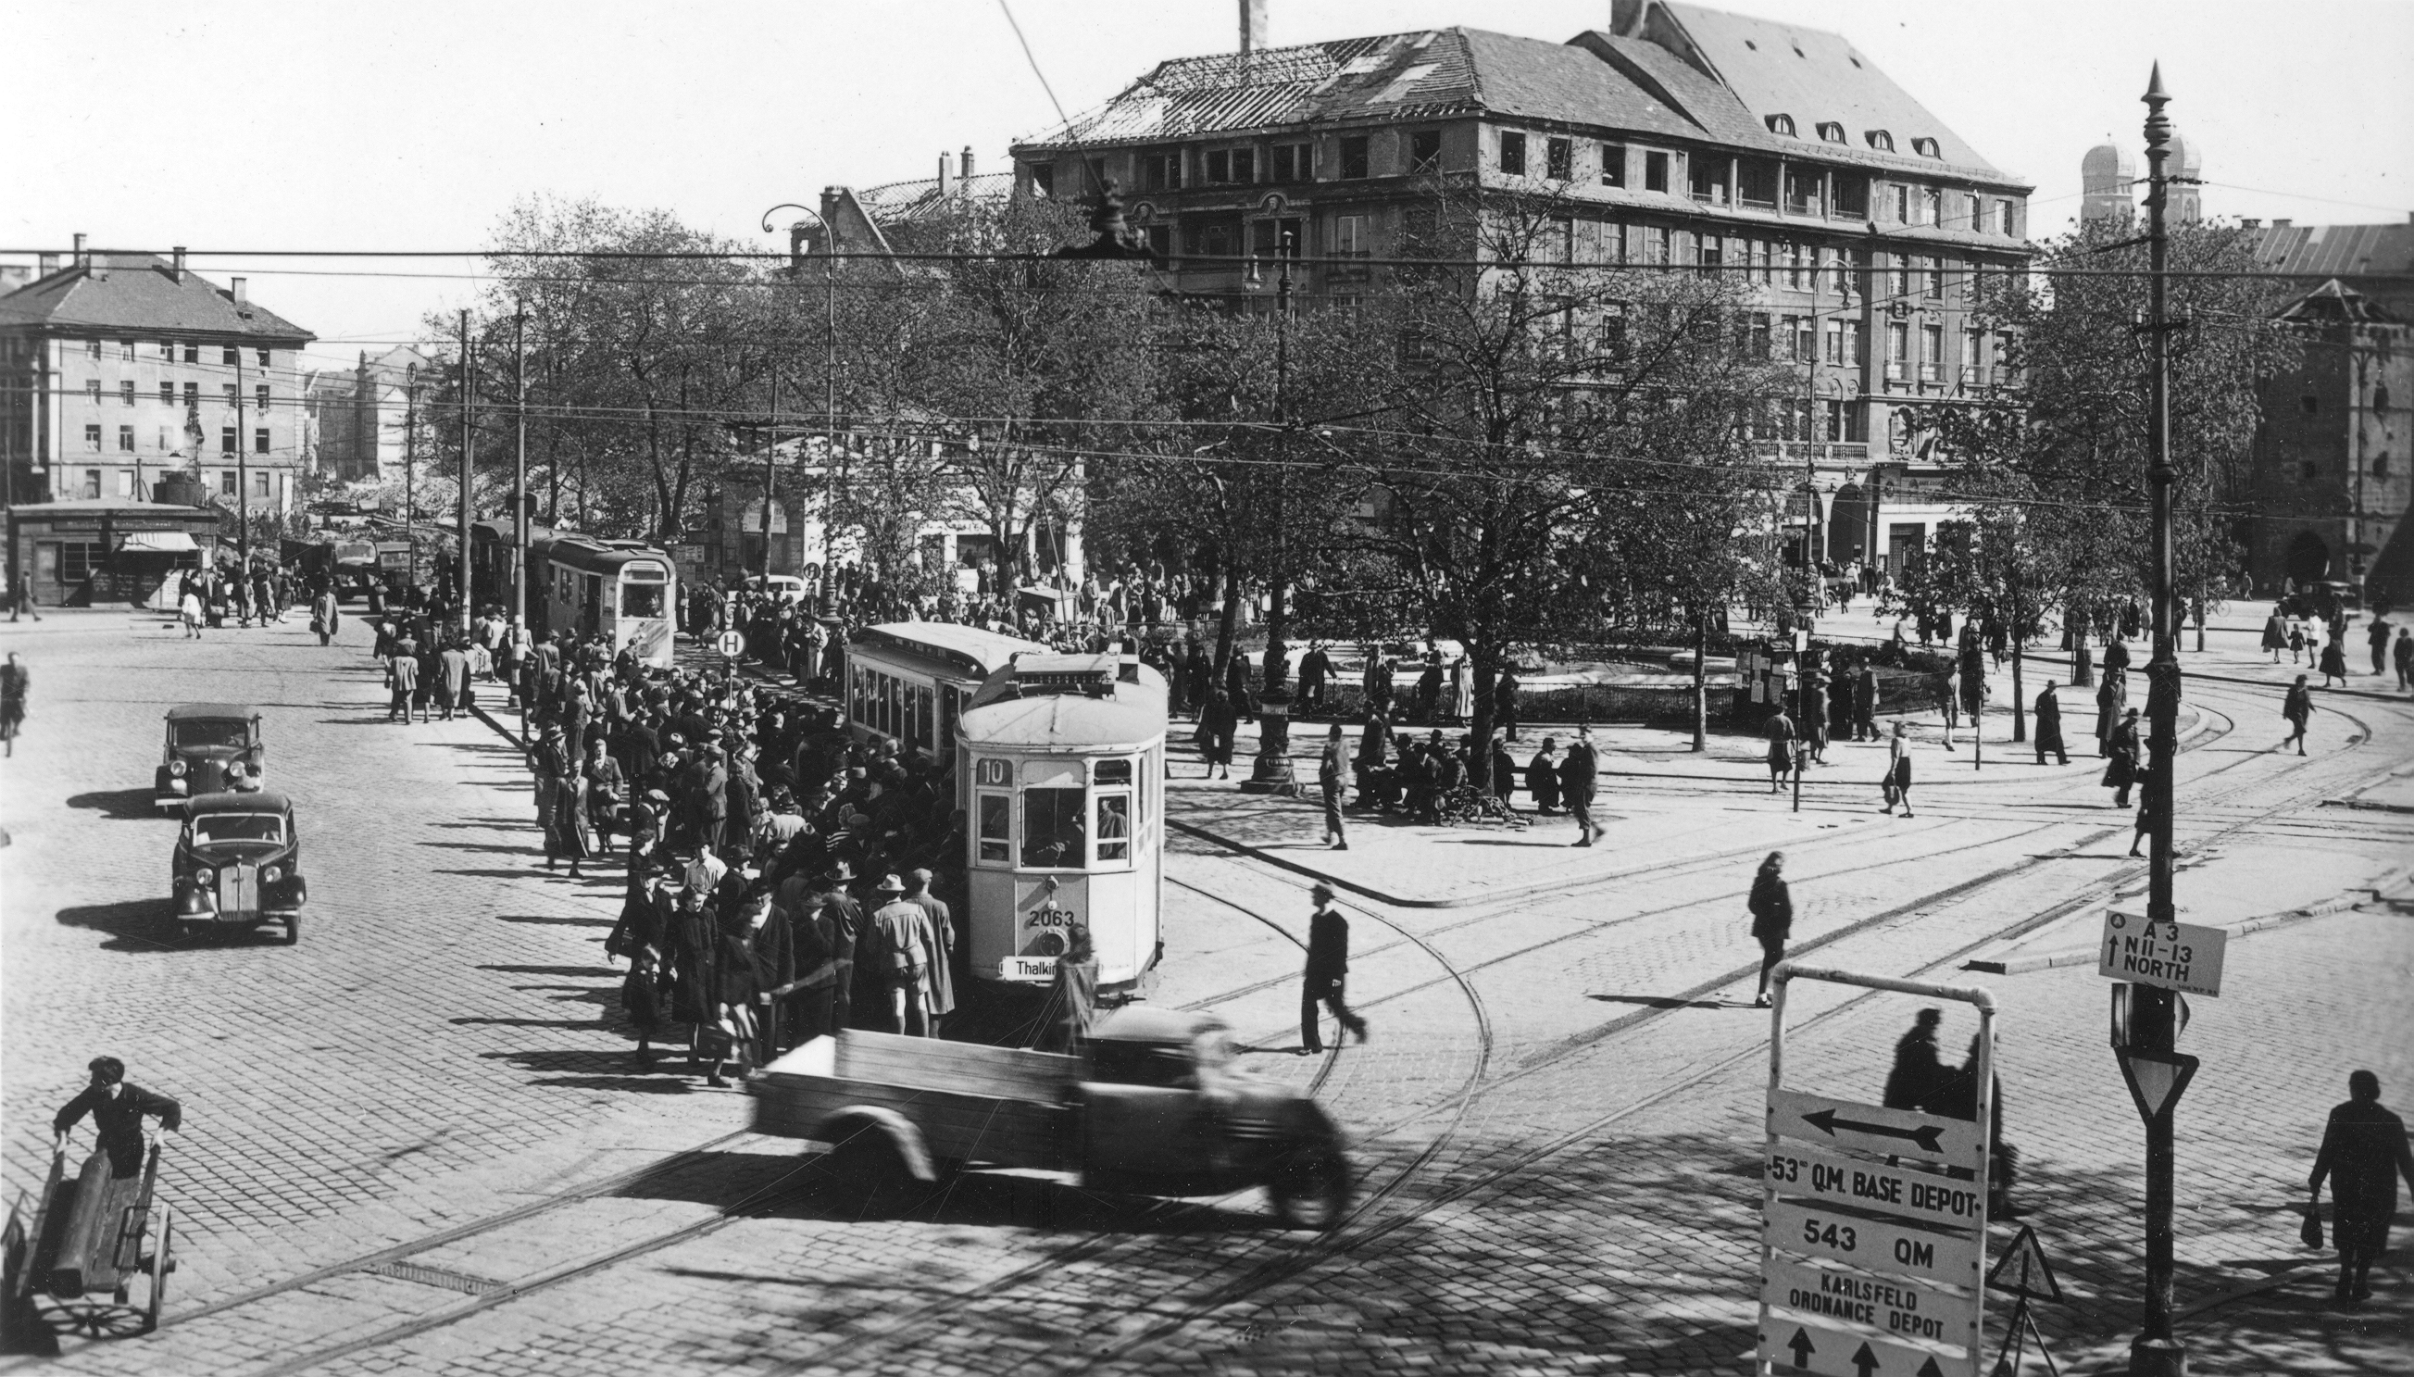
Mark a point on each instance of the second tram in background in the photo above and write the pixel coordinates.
(907, 681)
(1060, 770)
(622, 590)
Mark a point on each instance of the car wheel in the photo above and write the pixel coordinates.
(871, 1173)
(293, 930)
(1310, 1188)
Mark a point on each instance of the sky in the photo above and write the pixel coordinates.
(248, 125)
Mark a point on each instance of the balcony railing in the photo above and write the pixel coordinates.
(1894, 370)
(1928, 372)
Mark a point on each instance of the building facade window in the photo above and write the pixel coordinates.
(125, 439)
(125, 350)
(1936, 277)
(1931, 206)
(1900, 196)
(259, 441)
(125, 392)
(1781, 124)
(260, 396)
(226, 483)
(230, 356)
(1978, 213)
(192, 395)
(1932, 353)
(262, 357)
(259, 481)
(167, 351)
(229, 390)
(125, 482)
(1880, 140)
(1356, 162)
(1898, 344)
(167, 394)
(192, 353)
(1559, 159)
(1291, 162)
(226, 442)
(1425, 151)
(1831, 132)
(1512, 153)
(92, 437)
(92, 391)
(1926, 148)
(1158, 172)
(1613, 164)
(93, 348)
(1655, 172)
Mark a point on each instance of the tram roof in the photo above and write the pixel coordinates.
(966, 649)
(588, 552)
(1001, 714)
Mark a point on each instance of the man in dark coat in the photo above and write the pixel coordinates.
(1542, 777)
(1504, 705)
(2298, 709)
(2363, 1154)
(1865, 705)
(2049, 725)
(1236, 681)
(1314, 668)
(1327, 972)
(1576, 776)
(117, 1111)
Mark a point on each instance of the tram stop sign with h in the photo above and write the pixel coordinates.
(733, 643)
(2176, 956)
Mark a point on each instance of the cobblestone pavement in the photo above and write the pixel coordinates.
(1558, 1115)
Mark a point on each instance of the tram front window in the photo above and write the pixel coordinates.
(1052, 834)
(641, 600)
(994, 834)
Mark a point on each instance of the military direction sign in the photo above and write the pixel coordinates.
(2176, 956)
(1841, 1353)
(1868, 1128)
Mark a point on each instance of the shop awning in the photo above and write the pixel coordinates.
(161, 542)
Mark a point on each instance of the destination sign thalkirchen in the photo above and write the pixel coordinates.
(1873, 1255)
(2176, 956)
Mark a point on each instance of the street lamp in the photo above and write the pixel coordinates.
(829, 388)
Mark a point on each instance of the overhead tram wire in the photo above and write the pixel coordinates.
(1235, 261)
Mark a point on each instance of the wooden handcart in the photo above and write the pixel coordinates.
(73, 1261)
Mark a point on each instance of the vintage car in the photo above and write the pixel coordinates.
(212, 748)
(239, 866)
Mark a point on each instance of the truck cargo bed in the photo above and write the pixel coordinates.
(971, 1103)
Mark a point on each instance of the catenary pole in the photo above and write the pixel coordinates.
(410, 481)
(770, 456)
(242, 481)
(519, 467)
(2155, 1352)
(461, 589)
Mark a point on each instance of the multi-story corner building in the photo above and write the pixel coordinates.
(116, 367)
(2334, 460)
(357, 418)
(1681, 135)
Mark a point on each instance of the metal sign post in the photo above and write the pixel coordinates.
(1874, 1220)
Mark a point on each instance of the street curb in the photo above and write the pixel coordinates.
(2348, 899)
(2186, 674)
(2368, 807)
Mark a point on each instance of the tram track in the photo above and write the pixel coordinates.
(1265, 1272)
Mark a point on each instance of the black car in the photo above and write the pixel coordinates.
(239, 866)
(212, 748)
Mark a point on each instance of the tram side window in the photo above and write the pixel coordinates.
(996, 836)
(1114, 827)
(1052, 832)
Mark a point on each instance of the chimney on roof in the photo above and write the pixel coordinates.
(1253, 26)
(1625, 17)
(242, 297)
(79, 250)
(964, 164)
(2280, 224)
(2249, 223)
(943, 177)
(179, 261)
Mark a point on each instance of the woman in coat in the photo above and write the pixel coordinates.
(2111, 695)
(2275, 635)
(1217, 723)
(690, 945)
(2121, 775)
(1897, 787)
(1542, 778)
(2298, 709)
(2334, 661)
(1772, 906)
(1780, 732)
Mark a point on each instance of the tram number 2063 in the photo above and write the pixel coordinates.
(1028, 968)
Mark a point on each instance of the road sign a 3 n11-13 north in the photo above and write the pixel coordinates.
(2175, 956)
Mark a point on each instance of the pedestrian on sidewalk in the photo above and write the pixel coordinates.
(1064, 1022)
(1951, 706)
(1576, 778)
(2111, 696)
(1897, 787)
(900, 946)
(1781, 735)
(2404, 653)
(2275, 635)
(188, 611)
(2377, 638)
(15, 683)
(1865, 703)
(939, 991)
(1327, 973)
(2296, 643)
(2334, 661)
(2363, 1153)
(2049, 725)
(2147, 807)
(1542, 778)
(1329, 784)
(2121, 774)
(2298, 709)
(1956, 1097)
(21, 599)
(1919, 1070)
(1772, 906)
(1218, 722)
(402, 675)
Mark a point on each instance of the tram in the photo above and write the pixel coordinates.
(622, 590)
(907, 681)
(1060, 771)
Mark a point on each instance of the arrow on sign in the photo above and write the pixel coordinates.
(1803, 1348)
(1929, 1369)
(1927, 1135)
(1865, 1360)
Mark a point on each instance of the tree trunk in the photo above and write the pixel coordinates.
(1701, 681)
(1479, 723)
(1228, 627)
(2019, 705)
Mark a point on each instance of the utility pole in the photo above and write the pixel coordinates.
(770, 453)
(462, 589)
(410, 479)
(2153, 1027)
(519, 468)
(829, 412)
(242, 478)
